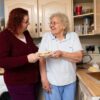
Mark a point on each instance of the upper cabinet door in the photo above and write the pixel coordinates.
(31, 6)
(39, 12)
(47, 8)
(97, 16)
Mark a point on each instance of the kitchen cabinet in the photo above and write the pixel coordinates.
(39, 12)
(86, 17)
(84, 94)
(97, 15)
(30, 6)
(88, 87)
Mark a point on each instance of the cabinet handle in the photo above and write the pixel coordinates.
(40, 24)
(40, 27)
(35, 28)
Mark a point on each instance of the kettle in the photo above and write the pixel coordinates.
(86, 59)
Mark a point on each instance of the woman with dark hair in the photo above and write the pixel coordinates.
(19, 57)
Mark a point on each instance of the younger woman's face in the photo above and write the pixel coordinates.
(25, 23)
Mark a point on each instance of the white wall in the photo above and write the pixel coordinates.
(2, 8)
(2, 12)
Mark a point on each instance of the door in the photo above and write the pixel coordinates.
(47, 8)
(39, 12)
(30, 5)
(97, 16)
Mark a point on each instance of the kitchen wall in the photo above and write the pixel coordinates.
(2, 8)
(92, 41)
(2, 12)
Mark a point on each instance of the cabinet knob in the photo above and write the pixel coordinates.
(40, 27)
(40, 24)
(35, 28)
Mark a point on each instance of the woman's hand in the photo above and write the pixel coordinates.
(33, 57)
(56, 54)
(46, 85)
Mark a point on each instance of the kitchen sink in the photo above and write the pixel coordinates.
(95, 75)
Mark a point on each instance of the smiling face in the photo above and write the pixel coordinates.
(56, 26)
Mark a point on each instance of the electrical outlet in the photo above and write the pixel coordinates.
(92, 49)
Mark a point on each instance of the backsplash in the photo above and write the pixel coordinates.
(91, 46)
(95, 58)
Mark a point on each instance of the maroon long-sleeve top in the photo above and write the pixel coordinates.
(13, 58)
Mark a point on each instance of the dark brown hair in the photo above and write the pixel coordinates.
(15, 19)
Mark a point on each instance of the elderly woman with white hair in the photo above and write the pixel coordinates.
(58, 69)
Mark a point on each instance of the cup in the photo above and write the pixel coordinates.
(78, 10)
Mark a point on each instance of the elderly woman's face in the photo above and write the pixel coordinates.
(56, 26)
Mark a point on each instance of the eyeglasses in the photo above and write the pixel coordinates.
(26, 22)
(53, 23)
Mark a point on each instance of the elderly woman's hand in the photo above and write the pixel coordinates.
(56, 54)
(33, 57)
(46, 85)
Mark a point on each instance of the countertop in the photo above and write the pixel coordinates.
(92, 85)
